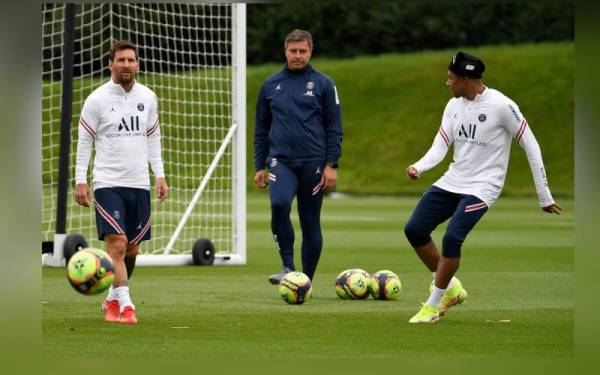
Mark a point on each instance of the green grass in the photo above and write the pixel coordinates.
(518, 265)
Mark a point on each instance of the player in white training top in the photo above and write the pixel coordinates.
(481, 123)
(121, 119)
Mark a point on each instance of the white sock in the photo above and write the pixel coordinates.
(452, 282)
(122, 294)
(112, 295)
(436, 296)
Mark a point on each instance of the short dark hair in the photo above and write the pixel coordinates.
(298, 35)
(120, 45)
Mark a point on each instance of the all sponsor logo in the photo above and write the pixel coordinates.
(116, 215)
(273, 162)
(133, 125)
(127, 127)
(469, 132)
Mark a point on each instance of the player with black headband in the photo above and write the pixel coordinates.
(481, 123)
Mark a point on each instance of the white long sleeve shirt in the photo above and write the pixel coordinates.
(125, 129)
(482, 131)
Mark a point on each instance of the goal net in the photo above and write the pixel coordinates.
(193, 57)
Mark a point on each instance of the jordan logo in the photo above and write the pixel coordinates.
(278, 87)
(318, 171)
(139, 226)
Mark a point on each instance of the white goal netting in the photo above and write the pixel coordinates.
(190, 56)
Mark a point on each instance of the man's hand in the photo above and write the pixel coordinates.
(260, 178)
(83, 195)
(329, 178)
(554, 208)
(162, 189)
(412, 173)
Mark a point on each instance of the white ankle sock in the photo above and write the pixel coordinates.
(111, 294)
(436, 296)
(451, 283)
(122, 295)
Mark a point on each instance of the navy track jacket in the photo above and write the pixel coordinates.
(297, 118)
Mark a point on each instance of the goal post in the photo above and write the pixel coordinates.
(193, 56)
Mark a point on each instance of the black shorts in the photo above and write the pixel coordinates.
(121, 210)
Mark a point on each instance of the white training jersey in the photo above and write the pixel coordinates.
(125, 129)
(482, 131)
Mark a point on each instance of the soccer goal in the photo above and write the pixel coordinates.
(194, 57)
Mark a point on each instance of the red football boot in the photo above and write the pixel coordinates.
(128, 316)
(111, 310)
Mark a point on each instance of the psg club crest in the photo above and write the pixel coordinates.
(310, 85)
(482, 117)
(141, 107)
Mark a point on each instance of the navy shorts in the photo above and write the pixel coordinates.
(121, 210)
(438, 205)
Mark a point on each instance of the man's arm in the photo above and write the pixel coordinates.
(518, 127)
(332, 122)
(534, 156)
(86, 130)
(155, 152)
(261, 130)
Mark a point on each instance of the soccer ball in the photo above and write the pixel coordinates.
(90, 271)
(295, 288)
(352, 284)
(385, 285)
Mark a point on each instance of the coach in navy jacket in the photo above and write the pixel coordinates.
(297, 143)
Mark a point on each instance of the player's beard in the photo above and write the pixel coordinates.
(123, 79)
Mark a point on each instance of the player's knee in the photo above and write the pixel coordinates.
(416, 234)
(452, 244)
(280, 206)
(132, 250)
(116, 245)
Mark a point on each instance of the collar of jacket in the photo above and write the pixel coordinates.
(307, 68)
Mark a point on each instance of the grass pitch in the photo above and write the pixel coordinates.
(518, 267)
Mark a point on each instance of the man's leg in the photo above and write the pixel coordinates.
(116, 246)
(110, 223)
(310, 199)
(435, 207)
(468, 213)
(282, 189)
(138, 225)
(130, 256)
